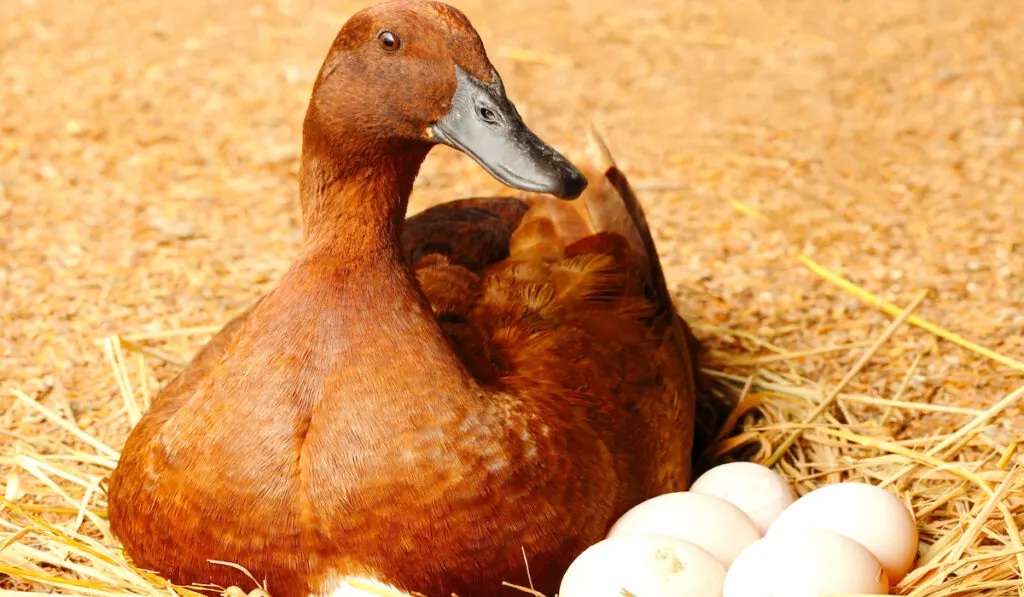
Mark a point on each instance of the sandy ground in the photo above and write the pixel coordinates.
(148, 158)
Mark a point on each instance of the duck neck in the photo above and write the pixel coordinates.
(352, 280)
(354, 198)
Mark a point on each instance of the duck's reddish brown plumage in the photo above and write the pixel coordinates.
(419, 401)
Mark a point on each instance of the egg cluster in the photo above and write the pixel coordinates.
(740, 532)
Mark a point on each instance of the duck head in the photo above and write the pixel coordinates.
(405, 75)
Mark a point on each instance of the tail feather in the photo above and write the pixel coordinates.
(613, 207)
(609, 205)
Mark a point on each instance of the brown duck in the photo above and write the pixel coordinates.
(420, 403)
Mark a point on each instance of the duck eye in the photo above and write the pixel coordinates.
(388, 41)
(487, 115)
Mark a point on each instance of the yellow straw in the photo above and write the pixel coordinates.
(895, 311)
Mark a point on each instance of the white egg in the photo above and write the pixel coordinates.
(645, 565)
(805, 563)
(760, 492)
(869, 515)
(704, 520)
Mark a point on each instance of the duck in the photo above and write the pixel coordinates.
(433, 404)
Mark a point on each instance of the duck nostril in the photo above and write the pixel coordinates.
(488, 115)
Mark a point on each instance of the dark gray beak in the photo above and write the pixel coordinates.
(484, 124)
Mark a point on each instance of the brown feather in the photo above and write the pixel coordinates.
(420, 401)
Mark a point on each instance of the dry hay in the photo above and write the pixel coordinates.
(963, 484)
(814, 151)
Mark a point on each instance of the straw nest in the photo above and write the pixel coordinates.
(835, 189)
(962, 484)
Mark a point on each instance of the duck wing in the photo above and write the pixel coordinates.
(567, 300)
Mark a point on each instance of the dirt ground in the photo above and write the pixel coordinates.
(148, 157)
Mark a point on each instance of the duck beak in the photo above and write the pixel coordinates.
(484, 124)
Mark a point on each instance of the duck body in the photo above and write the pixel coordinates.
(420, 403)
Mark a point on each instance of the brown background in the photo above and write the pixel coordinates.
(148, 158)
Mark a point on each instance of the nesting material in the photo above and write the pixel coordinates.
(963, 487)
(835, 190)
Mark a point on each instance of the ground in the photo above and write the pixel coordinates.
(148, 156)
